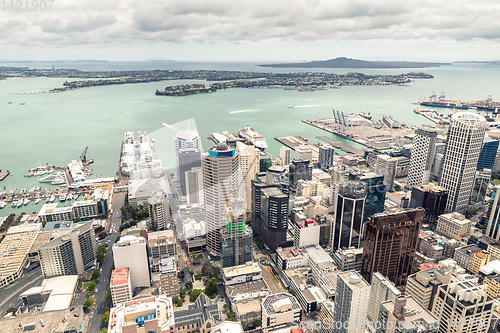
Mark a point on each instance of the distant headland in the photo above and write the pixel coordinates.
(343, 62)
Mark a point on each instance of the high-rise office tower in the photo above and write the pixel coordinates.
(270, 209)
(481, 183)
(430, 197)
(386, 166)
(236, 241)
(463, 307)
(222, 181)
(188, 158)
(375, 193)
(326, 156)
(488, 154)
(390, 245)
(69, 254)
(493, 215)
(422, 155)
(464, 143)
(194, 186)
(186, 139)
(299, 170)
(350, 209)
(250, 164)
(130, 251)
(159, 211)
(286, 155)
(351, 302)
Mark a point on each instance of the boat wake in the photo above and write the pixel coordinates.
(241, 111)
(308, 106)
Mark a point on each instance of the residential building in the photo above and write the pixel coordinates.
(279, 310)
(386, 166)
(463, 307)
(306, 232)
(454, 224)
(130, 251)
(160, 245)
(85, 208)
(120, 286)
(348, 259)
(286, 155)
(350, 205)
(404, 314)
(351, 302)
(464, 143)
(201, 317)
(169, 282)
(382, 290)
(390, 245)
(326, 156)
(70, 254)
(221, 182)
(50, 212)
(15, 246)
(327, 312)
(430, 197)
(188, 158)
(147, 314)
(159, 211)
(422, 155)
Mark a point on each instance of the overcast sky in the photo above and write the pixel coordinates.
(251, 30)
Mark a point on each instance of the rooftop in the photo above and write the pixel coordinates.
(248, 268)
(353, 279)
(415, 314)
(51, 320)
(61, 290)
(277, 303)
(119, 276)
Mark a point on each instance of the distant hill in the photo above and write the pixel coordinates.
(343, 62)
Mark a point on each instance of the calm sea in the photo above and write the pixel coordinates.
(56, 128)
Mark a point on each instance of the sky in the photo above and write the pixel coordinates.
(249, 30)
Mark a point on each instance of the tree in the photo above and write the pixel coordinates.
(207, 268)
(182, 275)
(107, 298)
(257, 323)
(193, 295)
(231, 316)
(104, 330)
(103, 216)
(88, 302)
(189, 285)
(191, 273)
(100, 257)
(179, 302)
(78, 219)
(105, 317)
(182, 292)
(103, 235)
(112, 267)
(95, 275)
(211, 288)
(91, 286)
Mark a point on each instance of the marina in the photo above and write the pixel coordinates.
(4, 175)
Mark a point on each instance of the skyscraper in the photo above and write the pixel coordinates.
(270, 209)
(130, 251)
(464, 143)
(185, 139)
(188, 158)
(250, 164)
(350, 209)
(159, 211)
(422, 155)
(488, 154)
(386, 166)
(430, 197)
(222, 181)
(194, 186)
(236, 241)
(382, 290)
(375, 193)
(299, 170)
(390, 245)
(326, 156)
(493, 215)
(286, 155)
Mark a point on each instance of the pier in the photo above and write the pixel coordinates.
(342, 146)
(4, 175)
(293, 142)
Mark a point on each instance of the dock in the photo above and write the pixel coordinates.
(293, 142)
(4, 175)
(342, 146)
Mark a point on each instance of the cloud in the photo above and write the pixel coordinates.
(127, 22)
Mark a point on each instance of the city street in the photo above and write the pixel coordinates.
(9, 295)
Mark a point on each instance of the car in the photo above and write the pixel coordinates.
(76, 315)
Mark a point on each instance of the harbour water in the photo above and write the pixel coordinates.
(55, 128)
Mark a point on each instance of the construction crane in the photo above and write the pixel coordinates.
(83, 158)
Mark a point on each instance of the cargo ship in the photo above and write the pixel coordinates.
(441, 102)
(253, 137)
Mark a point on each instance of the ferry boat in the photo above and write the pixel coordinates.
(253, 137)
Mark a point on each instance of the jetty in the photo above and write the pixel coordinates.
(4, 175)
(342, 146)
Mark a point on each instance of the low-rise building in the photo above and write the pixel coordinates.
(463, 255)
(120, 286)
(493, 283)
(404, 314)
(148, 314)
(279, 310)
(479, 260)
(54, 294)
(201, 317)
(454, 224)
(348, 259)
(242, 273)
(306, 232)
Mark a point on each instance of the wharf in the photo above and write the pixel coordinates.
(343, 146)
(293, 142)
(4, 175)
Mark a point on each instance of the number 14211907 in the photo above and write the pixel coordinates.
(26, 5)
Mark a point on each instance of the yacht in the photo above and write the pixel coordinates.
(26, 201)
(2, 204)
(37, 200)
(62, 197)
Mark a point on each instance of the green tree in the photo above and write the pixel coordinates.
(88, 302)
(112, 267)
(103, 235)
(103, 216)
(231, 316)
(182, 275)
(107, 298)
(207, 268)
(182, 292)
(257, 323)
(193, 295)
(105, 317)
(78, 219)
(95, 275)
(179, 302)
(189, 285)
(211, 288)
(91, 286)
(104, 330)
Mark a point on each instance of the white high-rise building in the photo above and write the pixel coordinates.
(326, 156)
(386, 166)
(351, 302)
(186, 139)
(422, 155)
(222, 181)
(250, 164)
(130, 251)
(463, 146)
(286, 155)
(382, 290)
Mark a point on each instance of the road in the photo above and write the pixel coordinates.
(9, 296)
(269, 280)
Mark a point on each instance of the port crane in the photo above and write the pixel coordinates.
(83, 158)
